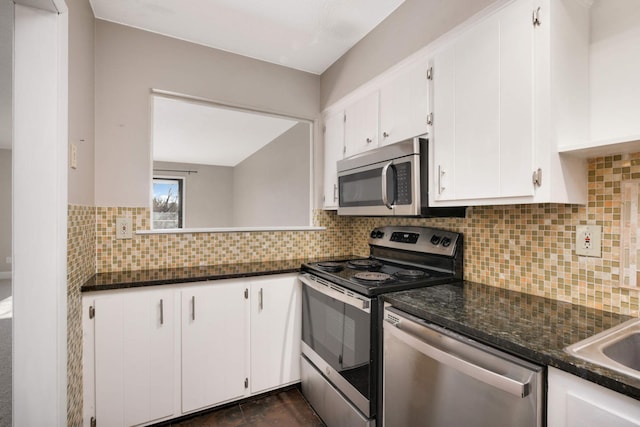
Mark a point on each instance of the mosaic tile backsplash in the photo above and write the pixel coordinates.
(529, 248)
(81, 265)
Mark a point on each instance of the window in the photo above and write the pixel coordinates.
(168, 200)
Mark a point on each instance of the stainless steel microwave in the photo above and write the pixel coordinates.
(389, 181)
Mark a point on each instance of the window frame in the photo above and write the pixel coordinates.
(182, 189)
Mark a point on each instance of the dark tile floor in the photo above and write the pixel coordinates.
(286, 408)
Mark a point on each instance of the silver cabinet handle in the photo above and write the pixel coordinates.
(536, 17)
(385, 199)
(193, 308)
(441, 173)
(161, 312)
(494, 379)
(385, 134)
(260, 299)
(335, 192)
(369, 140)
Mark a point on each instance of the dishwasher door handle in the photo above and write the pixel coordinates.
(487, 376)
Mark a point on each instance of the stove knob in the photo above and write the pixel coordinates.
(435, 239)
(445, 242)
(374, 234)
(379, 234)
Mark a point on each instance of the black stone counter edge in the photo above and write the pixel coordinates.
(594, 373)
(119, 280)
(89, 287)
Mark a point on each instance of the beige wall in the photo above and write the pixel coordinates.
(412, 26)
(207, 193)
(271, 187)
(81, 101)
(5, 209)
(130, 62)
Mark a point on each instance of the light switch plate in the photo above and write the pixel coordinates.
(74, 156)
(589, 240)
(123, 228)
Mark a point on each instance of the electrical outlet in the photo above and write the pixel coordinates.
(588, 240)
(123, 228)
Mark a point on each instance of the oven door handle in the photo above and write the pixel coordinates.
(385, 199)
(360, 304)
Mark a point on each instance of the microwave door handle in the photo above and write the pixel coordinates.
(385, 199)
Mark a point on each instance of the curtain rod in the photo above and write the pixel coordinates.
(175, 170)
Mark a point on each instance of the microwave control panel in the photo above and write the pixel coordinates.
(403, 183)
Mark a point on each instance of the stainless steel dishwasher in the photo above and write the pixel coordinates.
(434, 377)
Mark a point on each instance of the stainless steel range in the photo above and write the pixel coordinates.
(342, 316)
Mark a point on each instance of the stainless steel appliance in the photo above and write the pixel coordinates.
(342, 316)
(436, 378)
(389, 181)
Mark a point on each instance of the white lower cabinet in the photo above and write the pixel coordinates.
(214, 344)
(155, 353)
(276, 320)
(134, 358)
(574, 402)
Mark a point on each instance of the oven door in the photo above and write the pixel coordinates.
(336, 328)
(385, 188)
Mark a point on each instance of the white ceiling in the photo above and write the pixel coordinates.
(192, 132)
(307, 35)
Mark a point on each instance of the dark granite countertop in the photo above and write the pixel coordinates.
(531, 327)
(168, 276)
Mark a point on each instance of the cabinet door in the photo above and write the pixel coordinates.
(404, 104)
(214, 344)
(134, 357)
(574, 402)
(276, 322)
(483, 109)
(443, 140)
(516, 99)
(333, 151)
(361, 125)
(477, 113)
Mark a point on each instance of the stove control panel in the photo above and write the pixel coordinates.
(377, 234)
(398, 236)
(418, 239)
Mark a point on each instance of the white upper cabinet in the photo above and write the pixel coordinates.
(507, 90)
(483, 102)
(361, 125)
(396, 110)
(404, 103)
(510, 91)
(333, 151)
(614, 87)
